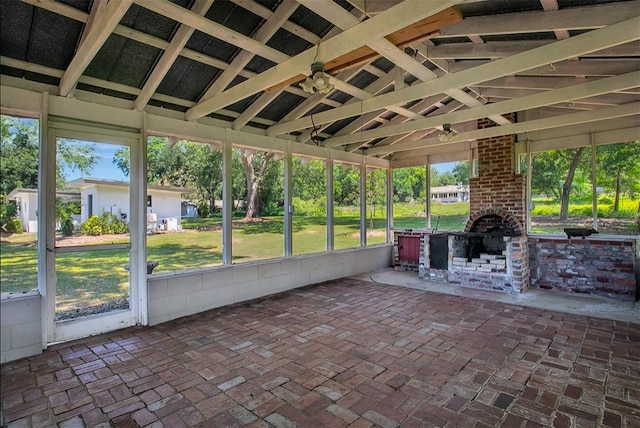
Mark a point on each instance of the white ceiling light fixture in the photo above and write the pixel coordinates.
(318, 81)
(447, 133)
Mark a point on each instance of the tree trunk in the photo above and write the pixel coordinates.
(566, 187)
(254, 176)
(616, 201)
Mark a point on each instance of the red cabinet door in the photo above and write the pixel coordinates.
(409, 248)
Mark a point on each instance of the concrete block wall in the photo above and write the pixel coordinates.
(21, 330)
(178, 294)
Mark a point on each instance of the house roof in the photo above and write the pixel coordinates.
(22, 191)
(400, 69)
(83, 183)
(449, 189)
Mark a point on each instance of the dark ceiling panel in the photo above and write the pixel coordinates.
(259, 64)
(187, 79)
(48, 45)
(310, 21)
(16, 19)
(123, 61)
(363, 79)
(496, 7)
(339, 96)
(242, 105)
(101, 65)
(336, 126)
(149, 22)
(278, 108)
(212, 47)
(562, 4)
(234, 17)
(83, 5)
(288, 43)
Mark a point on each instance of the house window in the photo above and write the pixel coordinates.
(149, 201)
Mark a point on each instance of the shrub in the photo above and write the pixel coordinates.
(95, 226)
(66, 227)
(18, 225)
(118, 226)
(104, 225)
(312, 207)
(7, 225)
(203, 209)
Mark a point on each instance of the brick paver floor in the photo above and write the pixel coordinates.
(341, 353)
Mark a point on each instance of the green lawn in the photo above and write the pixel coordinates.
(91, 277)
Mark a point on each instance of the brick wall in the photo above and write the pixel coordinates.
(601, 267)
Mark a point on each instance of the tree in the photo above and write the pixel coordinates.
(376, 191)
(410, 183)
(346, 185)
(619, 168)
(568, 182)
(19, 151)
(73, 155)
(255, 165)
(461, 172)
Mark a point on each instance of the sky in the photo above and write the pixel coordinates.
(104, 167)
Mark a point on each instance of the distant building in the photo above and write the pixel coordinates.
(450, 193)
(100, 195)
(27, 204)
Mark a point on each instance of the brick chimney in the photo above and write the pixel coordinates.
(497, 190)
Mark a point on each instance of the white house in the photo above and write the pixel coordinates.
(450, 193)
(27, 203)
(101, 195)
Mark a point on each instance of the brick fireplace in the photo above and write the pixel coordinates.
(492, 252)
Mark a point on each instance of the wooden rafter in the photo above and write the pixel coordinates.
(419, 31)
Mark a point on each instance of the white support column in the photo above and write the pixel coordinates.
(363, 203)
(227, 202)
(528, 194)
(46, 223)
(389, 191)
(288, 212)
(329, 172)
(594, 184)
(138, 223)
(428, 191)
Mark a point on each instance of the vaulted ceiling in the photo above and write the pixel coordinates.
(400, 70)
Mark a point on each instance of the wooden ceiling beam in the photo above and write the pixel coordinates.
(169, 56)
(219, 31)
(515, 128)
(394, 19)
(101, 29)
(602, 86)
(603, 38)
(414, 33)
(574, 18)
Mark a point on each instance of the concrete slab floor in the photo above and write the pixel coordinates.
(593, 306)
